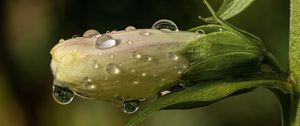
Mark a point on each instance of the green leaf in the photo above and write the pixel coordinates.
(208, 92)
(230, 8)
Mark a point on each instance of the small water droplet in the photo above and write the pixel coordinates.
(129, 42)
(147, 58)
(100, 53)
(165, 25)
(172, 56)
(132, 70)
(91, 33)
(198, 33)
(134, 81)
(165, 92)
(221, 29)
(113, 69)
(136, 55)
(179, 72)
(116, 53)
(145, 33)
(130, 107)
(144, 74)
(62, 95)
(96, 66)
(107, 32)
(141, 99)
(61, 40)
(74, 52)
(75, 36)
(130, 28)
(105, 41)
(111, 56)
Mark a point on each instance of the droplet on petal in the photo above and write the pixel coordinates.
(62, 95)
(165, 25)
(113, 69)
(105, 42)
(130, 107)
(91, 33)
(130, 28)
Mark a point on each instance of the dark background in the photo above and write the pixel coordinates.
(30, 28)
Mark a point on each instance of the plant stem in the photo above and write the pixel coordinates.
(294, 59)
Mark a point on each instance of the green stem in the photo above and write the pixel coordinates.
(294, 59)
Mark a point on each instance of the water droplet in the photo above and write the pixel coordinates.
(147, 58)
(132, 70)
(165, 92)
(198, 33)
(113, 69)
(179, 72)
(96, 66)
(61, 40)
(91, 33)
(221, 29)
(62, 95)
(130, 28)
(144, 74)
(172, 56)
(116, 53)
(100, 53)
(111, 56)
(130, 107)
(134, 81)
(141, 99)
(114, 31)
(75, 36)
(105, 41)
(74, 52)
(107, 32)
(136, 55)
(165, 25)
(129, 42)
(145, 33)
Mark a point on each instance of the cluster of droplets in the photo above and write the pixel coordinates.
(63, 95)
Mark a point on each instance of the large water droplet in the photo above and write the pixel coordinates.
(113, 69)
(62, 95)
(198, 33)
(91, 33)
(130, 107)
(172, 56)
(105, 41)
(130, 28)
(166, 25)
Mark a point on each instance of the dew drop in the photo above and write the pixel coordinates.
(165, 92)
(96, 66)
(129, 42)
(221, 29)
(134, 81)
(62, 95)
(198, 33)
(132, 70)
(145, 33)
(61, 40)
(91, 33)
(75, 36)
(165, 25)
(172, 56)
(111, 56)
(105, 41)
(136, 55)
(130, 107)
(144, 74)
(74, 52)
(130, 28)
(147, 58)
(100, 53)
(113, 69)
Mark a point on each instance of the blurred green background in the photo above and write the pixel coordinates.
(29, 28)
